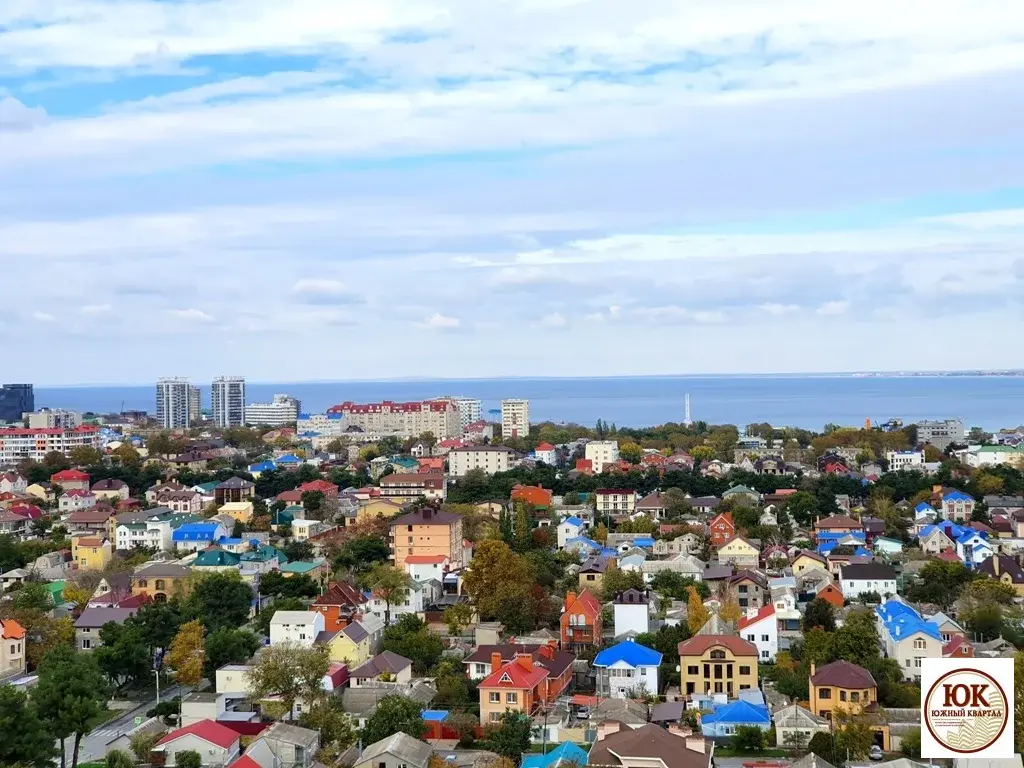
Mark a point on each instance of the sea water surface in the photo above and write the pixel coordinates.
(990, 402)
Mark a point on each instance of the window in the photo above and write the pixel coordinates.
(495, 717)
(764, 654)
(160, 584)
(142, 583)
(494, 697)
(481, 669)
(842, 695)
(718, 654)
(919, 645)
(744, 670)
(511, 698)
(908, 662)
(86, 644)
(743, 589)
(855, 696)
(825, 693)
(750, 638)
(692, 670)
(764, 638)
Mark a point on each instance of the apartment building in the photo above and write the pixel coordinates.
(18, 443)
(900, 460)
(403, 488)
(284, 409)
(469, 410)
(439, 417)
(515, 418)
(489, 458)
(15, 401)
(427, 531)
(174, 403)
(600, 453)
(941, 433)
(227, 396)
(615, 502)
(54, 418)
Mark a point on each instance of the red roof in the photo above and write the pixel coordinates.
(69, 474)
(584, 602)
(696, 646)
(584, 465)
(77, 493)
(55, 431)
(244, 762)
(545, 447)
(532, 494)
(425, 559)
(207, 730)
(387, 406)
(764, 613)
(338, 674)
(318, 485)
(954, 647)
(516, 676)
(11, 630)
(29, 511)
(949, 556)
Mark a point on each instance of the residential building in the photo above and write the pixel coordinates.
(627, 670)
(717, 664)
(88, 625)
(748, 495)
(195, 403)
(74, 501)
(564, 755)
(426, 531)
(297, 627)
(739, 552)
(761, 627)
(857, 579)
(489, 458)
(71, 480)
(174, 403)
(91, 520)
(111, 488)
(469, 410)
(240, 511)
(439, 417)
(54, 418)
(648, 745)
(283, 410)
(836, 525)
(17, 443)
(515, 418)
(841, 685)
(973, 548)
(195, 536)
(1006, 569)
(546, 453)
(234, 489)
(580, 624)
(592, 571)
(160, 581)
(228, 400)
(399, 750)
(614, 502)
(907, 637)
(384, 667)
(941, 433)
(524, 683)
(537, 497)
(726, 718)
(570, 528)
(356, 642)
(631, 611)
(957, 506)
(403, 488)
(905, 460)
(186, 502)
(794, 724)
(12, 648)
(601, 453)
(216, 744)
(15, 401)
(722, 529)
(91, 553)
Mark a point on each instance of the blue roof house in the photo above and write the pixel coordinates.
(582, 545)
(907, 637)
(957, 506)
(264, 466)
(723, 722)
(564, 753)
(973, 548)
(923, 509)
(288, 461)
(625, 669)
(194, 536)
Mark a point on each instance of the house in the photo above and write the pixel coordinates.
(280, 745)
(13, 482)
(796, 725)
(614, 502)
(806, 560)
(91, 553)
(652, 505)
(315, 569)
(297, 627)
(15, 576)
(745, 495)
(570, 528)
(565, 754)
(216, 744)
(13, 524)
(905, 460)
(581, 621)
(539, 498)
(957, 506)
(627, 670)
(523, 684)
(739, 552)
(407, 487)
(751, 589)
(328, 489)
(838, 524)
(12, 648)
(935, 539)
(426, 531)
(419, 596)
(717, 664)
(489, 458)
(42, 491)
(111, 488)
(632, 612)
(1006, 569)
(160, 581)
(195, 536)
(384, 667)
(958, 648)
(376, 508)
(75, 500)
(356, 643)
(546, 453)
(183, 501)
(841, 685)
(240, 511)
(886, 546)
(726, 718)
(907, 637)
(973, 548)
(648, 745)
(761, 627)
(233, 489)
(426, 567)
(859, 579)
(88, 625)
(400, 750)
(722, 529)
(71, 480)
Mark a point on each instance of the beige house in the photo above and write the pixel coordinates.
(110, 489)
(237, 510)
(426, 531)
(614, 502)
(717, 664)
(740, 553)
(12, 648)
(216, 744)
(936, 542)
(489, 458)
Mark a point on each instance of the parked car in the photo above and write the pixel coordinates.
(583, 713)
(875, 753)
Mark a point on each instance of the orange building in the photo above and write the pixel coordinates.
(340, 605)
(722, 529)
(831, 593)
(532, 494)
(427, 531)
(581, 621)
(525, 683)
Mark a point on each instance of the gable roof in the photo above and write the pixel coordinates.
(863, 571)
(696, 646)
(566, 752)
(408, 750)
(739, 711)
(843, 674)
(207, 730)
(838, 521)
(387, 661)
(628, 652)
(515, 675)
(584, 602)
(1007, 565)
(765, 612)
(93, 618)
(648, 741)
(11, 630)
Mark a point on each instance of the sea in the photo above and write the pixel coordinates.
(988, 401)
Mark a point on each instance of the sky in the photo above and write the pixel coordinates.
(341, 189)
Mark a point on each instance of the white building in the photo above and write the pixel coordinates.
(298, 627)
(600, 453)
(54, 418)
(228, 398)
(940, 433)
(973, 548)
(899, 460)
(174, 403)
(619, 502)
(856, 579)
(469, 410)
(632, 612)
(420, 595)
(439, 417)
(990, 455)
(18, 443)
(283, 410)
(426, 567)
(570, 528)
(489, 458)
(625, 670)
(515, 418)
(547, 453)
(761, 627)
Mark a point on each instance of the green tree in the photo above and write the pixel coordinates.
(823, 745)
(510, 737)
(676, 586)
(187, 654)
(616, 580)
(118, 758)
(126, 454)
(390, 584)
(817, 648)
(394, 714)
(291, 672)
(801, 506)
(819, 613)
(228, 646)
(313, 502)
(25, 741)
(124, 656)
(328, 718)
(360, 553)
(748, 738)
(631, 452)
(910, 744)
(85, 455)
(188, 758)
(857, 640)
(1018, 701)
(298, 550)
(142, 745)
(410, 637)
(275, 584)
(457, 617)
(69, 696)
(498, 581)
(158, 623)
(219, 600)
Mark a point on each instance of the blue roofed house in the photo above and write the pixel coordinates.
(973, 548)
(582, 545)
(935, 539)
(570, 528)
(258, 469)
(907, 637)
(564, 754)
(726, 718)
(194, 536)
(957, 506)
(625, 669)
(888, 546)
(288, 461)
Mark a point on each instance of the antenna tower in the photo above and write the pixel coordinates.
(687, 421)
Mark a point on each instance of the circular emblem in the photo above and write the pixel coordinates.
(966, 711)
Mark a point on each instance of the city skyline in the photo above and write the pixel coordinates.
(733, 186)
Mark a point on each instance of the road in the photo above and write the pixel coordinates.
(94, 743)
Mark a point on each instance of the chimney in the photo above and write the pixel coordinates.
(495, 661)
(525, 661)
(695, 744)
(546, 652)
(427, 512)
(995, 566)
(813, 668)
(570, 598)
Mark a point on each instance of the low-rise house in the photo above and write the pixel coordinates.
(838, 524)
(296, 627)
(91, 553)
(631, 610)
(42, 491)
(886, 546)
(727, 718)
(581, 624)
(565, 754)
(399, 750)
(721, 529)
(652, 505)
(806, 560)
(717, 664)
(841, 685)
(627, 670)
(614, 502)
(339, 605)
(384, 667)
(12, 648)
(522, 685)
(740, 553)
(973, 548)
(282, 745)
(592, 571)
(958, 648)
(216, 744)
(71, 480)
(858, 579)
(796, 725)
(570, 528)
(195, 536)
(957, 506)
(934, 539)
(648, 745)
(74, 501)
(111, 489)
(13, 482)
(751, 589)
(353, 645)
(419, 596)
(233, 489)
(88, 625)
(907, 637)
(407, 487)
(1005, 569)
(426, 567)
(761, 627)
(160, 581)
(751, 497)
(240, 511)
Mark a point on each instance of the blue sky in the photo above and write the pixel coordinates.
(322, 189)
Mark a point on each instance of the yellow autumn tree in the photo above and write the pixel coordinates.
(187, 654)
(730, 609)
(696, 615)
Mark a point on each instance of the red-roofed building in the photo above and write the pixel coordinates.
(17, 443)
(431, 464)
(216, 743)
(523, 684)
(340, 605)
(329, 490)
(958, 648)
(71, 480)
(12, 649)
(949, 555)
(293, 496)
(539, 497)
(721, 529)
(586, 466)
(717, 664)
(581, 621)
(761, 628)
(832, 594)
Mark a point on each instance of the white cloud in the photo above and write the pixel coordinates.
(833, 308)
(43, 317)
(324, 291)
(1009, 218)
(439, 322)
(191, 315)
(96, 309)
(15, 116)
(709, 317)
(554, 320)
(779, 309)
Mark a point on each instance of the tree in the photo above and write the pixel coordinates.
(457, 617)
(329, 719)
(142, 745)
(228, 646)
(275, 584)
(601, 533)
(188, 758)
(118, 758)
(795, 740)
(394, 714)
(910, 744)
(298, 550)
(499, 581)
(389, 584)
(616, 580)
(697, 615)
(510, 738)
(313, 502)
(702, 453)
(676, 586)
(69, 696)
(730, 610)
(126, 454)
(823, 745)
(631, 452)
(801, 506)
(218, 600)
(291, 672)
(819, 613)
(158, 623)
(76, 595)
(410, 637)
(26, 741)
(857, 640)
(187, 655)
(748, 738)
(85, 455)
(124, 655)
(360, 553)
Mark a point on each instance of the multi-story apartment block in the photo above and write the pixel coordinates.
(515, 418)
(409, 487)
(615, 502)
(439, 417)
(899, 460)
(228, 399)
(54, 418)
(941, 433)
(600, 453)
(174, 406)
(195, 403)
(489, 458)
(469, 410)
(427, 531)
(19, 443)
(15, 401)
(283, 410)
